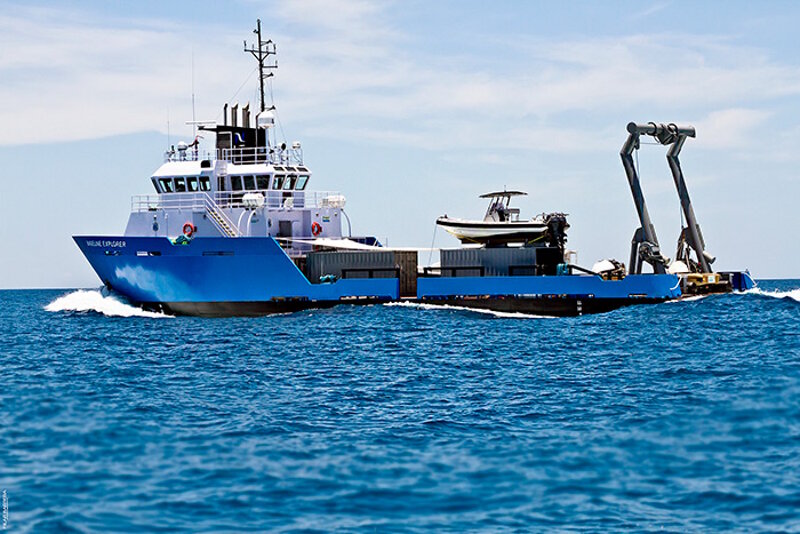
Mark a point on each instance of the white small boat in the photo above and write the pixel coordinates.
(501, 224)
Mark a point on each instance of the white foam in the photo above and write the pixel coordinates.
(499, 314)
(687, 299)
(84, 300)
(793, 294)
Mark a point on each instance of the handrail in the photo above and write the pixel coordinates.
(262, 154)
(186, 201)
(212, 207)
(193, 200)
(217, 205)
(189, 155)
(275, 198)
(234, 199)
(244, 155)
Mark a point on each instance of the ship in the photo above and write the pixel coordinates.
(237, 231)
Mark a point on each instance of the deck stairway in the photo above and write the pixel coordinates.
(220, 220)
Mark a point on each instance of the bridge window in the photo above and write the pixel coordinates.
(289, 183)
(236, 183)
(166, 185)
(277, 182)
(180, 185)
(302, 180)
(191, 183)
(249, 183)
(263, 181)
(205, 183)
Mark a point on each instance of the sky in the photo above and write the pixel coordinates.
(411, 110)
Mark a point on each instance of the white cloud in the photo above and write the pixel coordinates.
(338, 16)
(349, 71)
(730, 128)
(647, 12)
(72, 78)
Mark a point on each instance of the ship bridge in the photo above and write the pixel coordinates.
(248, 184)
(192, 176)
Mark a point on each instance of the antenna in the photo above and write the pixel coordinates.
(194, 125)
(261, 52)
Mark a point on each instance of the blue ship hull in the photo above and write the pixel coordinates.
(219, 276)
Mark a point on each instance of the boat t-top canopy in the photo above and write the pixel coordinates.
(503, 194)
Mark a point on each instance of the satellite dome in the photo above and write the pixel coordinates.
(266, 119)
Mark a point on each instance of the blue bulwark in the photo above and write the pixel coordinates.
(651, 286)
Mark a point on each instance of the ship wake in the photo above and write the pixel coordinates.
(442, 307)
(93, 300)
(791, 294)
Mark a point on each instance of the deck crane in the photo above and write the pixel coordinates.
(644, 245)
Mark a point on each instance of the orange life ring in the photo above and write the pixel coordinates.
(316, 228)
(189, 229)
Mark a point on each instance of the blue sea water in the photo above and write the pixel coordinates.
(680, 416)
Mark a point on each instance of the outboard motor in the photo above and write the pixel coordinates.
(556, 230)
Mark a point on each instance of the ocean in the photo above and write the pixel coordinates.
(681, 416)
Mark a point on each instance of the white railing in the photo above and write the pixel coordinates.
(275, 199)
(234, 199)
(189, 155)
(240, 156)
(167, 201)
(200, 201)
(273, 155)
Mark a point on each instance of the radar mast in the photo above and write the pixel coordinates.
(262, 51)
